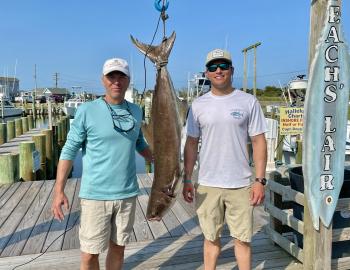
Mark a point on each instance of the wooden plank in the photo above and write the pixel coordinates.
(3, 189)
(28, 222)
(342, 234)
(7, 195)
(173, 224)
(186, 246)
(39, 233)
(170, 220)
(71, 237)
(17, 215)
(341, 263)
(260, 218)
(158, 229)
(183, 256)
(54, 240)
(287, 245)
(343, 204)
(285, 218)
(190, 223)
(141, 228)
(12, 202)
(183, 253)
(287, 192)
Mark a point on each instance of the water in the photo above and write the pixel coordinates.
(42, 122)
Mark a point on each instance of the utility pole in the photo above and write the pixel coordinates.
(34, 95)
(245, 50)
(55, 78)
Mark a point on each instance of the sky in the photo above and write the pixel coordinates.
(73, 38)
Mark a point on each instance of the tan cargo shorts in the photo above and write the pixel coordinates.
(102, 221)
(215, 205)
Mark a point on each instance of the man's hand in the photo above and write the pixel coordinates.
(56, 208)
(257, 194)
(188, 192)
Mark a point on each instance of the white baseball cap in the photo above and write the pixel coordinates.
(218, 54)
(116, 64)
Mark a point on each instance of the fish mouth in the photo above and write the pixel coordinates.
(154, 218)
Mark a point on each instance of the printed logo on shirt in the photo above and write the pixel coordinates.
(237, 114)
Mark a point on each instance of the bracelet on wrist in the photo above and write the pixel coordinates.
(187, 181)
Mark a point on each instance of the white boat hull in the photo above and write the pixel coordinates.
(69, 111)
(8, 112)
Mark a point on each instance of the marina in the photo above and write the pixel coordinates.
(304, 220)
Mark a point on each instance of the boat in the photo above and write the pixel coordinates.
(7, 109)
(296, 90)
(197, 86)
(71, 105)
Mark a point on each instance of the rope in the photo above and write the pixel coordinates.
(41, 254)
(161, 8)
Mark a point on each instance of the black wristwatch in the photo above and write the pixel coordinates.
(261, 180)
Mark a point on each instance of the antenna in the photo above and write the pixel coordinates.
(14, 78)
(226, 42)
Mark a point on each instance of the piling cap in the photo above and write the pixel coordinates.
(218, 54)
(116, 64)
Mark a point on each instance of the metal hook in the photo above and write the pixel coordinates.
(160, 6)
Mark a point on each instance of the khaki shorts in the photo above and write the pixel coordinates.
(102, 221)
(214, 205)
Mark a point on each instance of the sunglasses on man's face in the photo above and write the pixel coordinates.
(222, 66)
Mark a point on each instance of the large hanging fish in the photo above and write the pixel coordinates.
(163, 132)
(325, 119)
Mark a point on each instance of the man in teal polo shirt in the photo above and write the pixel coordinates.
(108, 130)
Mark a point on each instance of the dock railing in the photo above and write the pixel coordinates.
(284, 225)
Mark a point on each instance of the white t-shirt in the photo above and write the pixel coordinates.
(225, 124)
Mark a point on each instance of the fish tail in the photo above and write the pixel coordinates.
(157, 54)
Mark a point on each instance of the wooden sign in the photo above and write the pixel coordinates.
(325, 119)
(291, 120)
(36, 160)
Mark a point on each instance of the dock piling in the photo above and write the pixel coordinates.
(25, 124)
(3, 133)
(11, 131)
(26, 172)
(18, 127)
(49, 153)
(8, 168)
(40, 146)
(30, 122)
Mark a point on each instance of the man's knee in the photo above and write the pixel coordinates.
(89, 258)
(116, 248)
(242, 244)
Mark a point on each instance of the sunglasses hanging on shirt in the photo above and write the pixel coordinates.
(121, 122)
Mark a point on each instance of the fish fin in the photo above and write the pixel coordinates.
(147, 130)
(183, 110)
(157, 54)
(145, 48)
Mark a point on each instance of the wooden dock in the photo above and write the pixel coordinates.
(27, 229)
(13, 145)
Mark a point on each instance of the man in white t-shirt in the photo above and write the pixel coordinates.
(225, 119)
